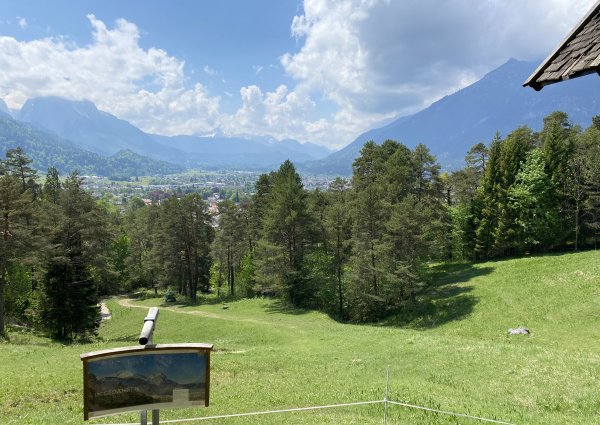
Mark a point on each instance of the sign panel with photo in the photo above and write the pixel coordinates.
(145, 378)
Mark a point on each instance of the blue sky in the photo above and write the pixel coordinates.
(313, 70)
(222, 49)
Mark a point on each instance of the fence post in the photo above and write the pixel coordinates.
(385, 398)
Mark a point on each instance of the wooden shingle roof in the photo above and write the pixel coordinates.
(577, 55)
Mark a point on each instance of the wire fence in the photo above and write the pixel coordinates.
(331, 406)
(386, 402)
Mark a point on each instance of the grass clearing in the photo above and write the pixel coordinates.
(455, 356)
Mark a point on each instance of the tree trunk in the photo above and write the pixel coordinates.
(230, 277)
(411, 293)
(232, 272)
(2, 282)
(219, 282)
(375, 287)
(340, 292)
(338, 249)
(576, 224)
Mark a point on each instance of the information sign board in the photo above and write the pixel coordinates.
(145, 378)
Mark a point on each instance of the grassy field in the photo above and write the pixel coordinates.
(456, 355)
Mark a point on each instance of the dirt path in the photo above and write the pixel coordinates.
(104, 312)
(128, 302)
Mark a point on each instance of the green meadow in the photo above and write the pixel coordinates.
(454, 354)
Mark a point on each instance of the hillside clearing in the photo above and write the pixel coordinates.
(456, 357)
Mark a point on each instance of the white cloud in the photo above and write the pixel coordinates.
(359, 62)
(378, 58)
(257, 69)
(22, 22)
(280, 113)
(146, 87)
(210, 71)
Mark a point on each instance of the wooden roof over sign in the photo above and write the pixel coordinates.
(577, 55)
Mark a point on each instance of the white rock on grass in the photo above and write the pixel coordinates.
(519, 331)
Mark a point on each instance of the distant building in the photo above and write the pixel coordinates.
(577, 55)
(213, 208)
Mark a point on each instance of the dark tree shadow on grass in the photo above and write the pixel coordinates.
(446, 298)
(182, 300)
(279, 306)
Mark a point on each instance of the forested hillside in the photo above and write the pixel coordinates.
(495, 103)
(360, 251)
(48, 150)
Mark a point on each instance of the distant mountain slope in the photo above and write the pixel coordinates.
(105, 134)
(48, 150)
(310, 149)
(92, 129)
(4, 111)
(236, 152)
(126, 163)
(497, 102)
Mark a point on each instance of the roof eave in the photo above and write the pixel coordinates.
(532, 80)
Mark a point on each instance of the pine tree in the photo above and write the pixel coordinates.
(370, 210)
(17, 164)
(74, 258)
(253, 213)
(141, 225)
(477, 157)
(52, 187)
(408, 243)
(17, 233)
(228, 246)
(426, 174)
(284, 237)
(182, 244)
(338, 224)
(13, 231)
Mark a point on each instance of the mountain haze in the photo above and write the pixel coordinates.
(234, 153)
(4, 111)
(49, 150)
(497, 102)
(92, 129)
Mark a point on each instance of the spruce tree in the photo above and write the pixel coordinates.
(512, 156)
(589, 154)
(534, 205)
(485, 211)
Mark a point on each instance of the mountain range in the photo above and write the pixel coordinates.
(49, 150)
(496, 103)
(76, 134)
(100, 132)
(4, 111)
